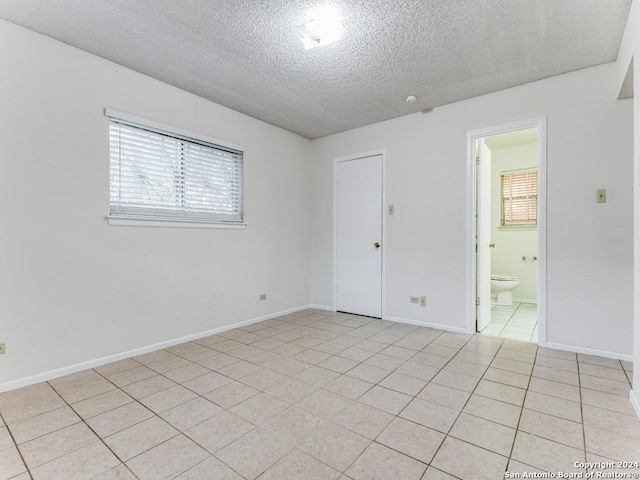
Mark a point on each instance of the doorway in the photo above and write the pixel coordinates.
(359, 242)
(508, 255)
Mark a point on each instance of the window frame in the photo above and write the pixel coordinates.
(159, 220)
(510, 199)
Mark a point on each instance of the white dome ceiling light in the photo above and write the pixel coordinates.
(323, 27)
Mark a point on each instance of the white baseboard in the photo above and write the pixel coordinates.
(634, 402)
(439, 326)
(589, 351)
(321, 307)
(61, 372)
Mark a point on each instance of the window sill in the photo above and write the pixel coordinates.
(154, 222)
(516, 228)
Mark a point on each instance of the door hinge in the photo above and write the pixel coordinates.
(478, 160)
(477, 301)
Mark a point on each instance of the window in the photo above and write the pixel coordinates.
(519, 198)
(162, 175)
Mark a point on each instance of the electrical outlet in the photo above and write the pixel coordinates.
(423, 301)
(414, 299)
(263, 296)
(3, 348)
(602, 195)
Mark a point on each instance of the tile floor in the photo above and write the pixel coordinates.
(517, 322)
(318, 395)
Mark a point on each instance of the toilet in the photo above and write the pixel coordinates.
(502, 285)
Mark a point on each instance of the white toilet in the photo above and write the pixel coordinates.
(502, 285)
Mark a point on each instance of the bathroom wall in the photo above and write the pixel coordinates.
(513, 243)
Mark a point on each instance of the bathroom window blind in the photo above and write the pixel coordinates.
(157, 174)
(519, 198)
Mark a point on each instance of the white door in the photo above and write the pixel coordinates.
(483, 235)
(359, 236)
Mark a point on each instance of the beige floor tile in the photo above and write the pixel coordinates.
(148, 386)
(433, 473)
(430, 415)
(399, 352)
(168, 364)
(612, 421)
(552, 428)
(239, 369)
(119, 418)
(5, 439)
(356, 354)
(293, 426)
(521, 468)
(186, 373)
(558, 363)
(317, 376)
(362, 419)
(117, 367)
(11, 464)
(207, 383)
(484, 433)
(140, 438)
(499, 391)
(336, 446)
(604, 372)
(611, 445)
(411, 439)
(191, 413)
(291, 390)
(379, 462)
(210, 469)
(562, 376)
(467, 461)
(506, 377)
(219, 431)
(493, 410)
(53, 445)
(528, 357)
(167, 399)
(465, 368)
(31, 406)
(101, 403)
(609, 401)
(418, 370)
(231, 394)
(403, 383)
(43, 424)
(349, 387)
(312, 357)
(198, 354)
(605, 385)
(288, 366)
(263, 379)
(131, 376)
(84, 463)
(218, 361)
(155, 356)
(324, 404)
(297, 465)
(253, 453)
(555, 389)
(167, 460)
(121, 472)
(183, 348)
(551, 352)
(371, 346)
(386, 362)
(456, 380)
(545, 454)
(386, 400)
(445, 396)
(338, 364)
(368, 373)
(81, 385)
(555, 406)
(259, 408)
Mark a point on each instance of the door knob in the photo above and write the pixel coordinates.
(377, 244)
(492, 245)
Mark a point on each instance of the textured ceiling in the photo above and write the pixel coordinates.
(246, 54)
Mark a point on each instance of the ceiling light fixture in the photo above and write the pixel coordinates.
(411, 99)
(323, 28)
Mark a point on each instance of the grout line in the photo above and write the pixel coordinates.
(15, 444)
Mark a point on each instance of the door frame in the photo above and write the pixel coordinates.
(540, 123)
(346, 158)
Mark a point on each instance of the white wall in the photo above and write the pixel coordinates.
(589, 246)
(74, 289)
(630, 48)
(515, 243)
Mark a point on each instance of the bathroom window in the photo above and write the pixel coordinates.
(159, 173)
(519, 198)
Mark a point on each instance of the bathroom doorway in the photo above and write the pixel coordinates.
(508, 165)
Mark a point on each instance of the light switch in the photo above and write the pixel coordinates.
(602, 195)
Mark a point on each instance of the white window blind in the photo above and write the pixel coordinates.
(159, 174)
(520, 198)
